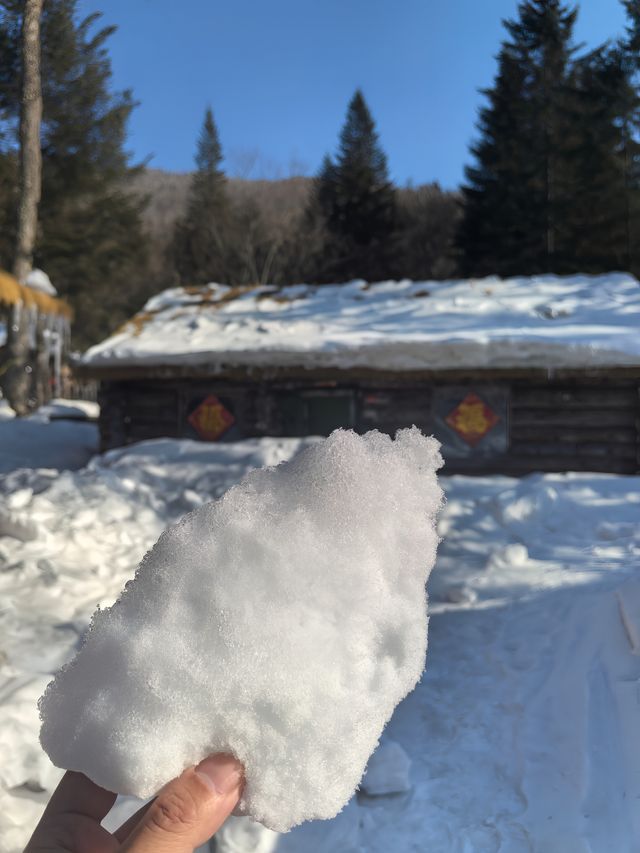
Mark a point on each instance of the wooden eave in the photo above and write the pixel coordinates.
(331, 376)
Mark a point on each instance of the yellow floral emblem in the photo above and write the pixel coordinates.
(211, 419)
(472, 419)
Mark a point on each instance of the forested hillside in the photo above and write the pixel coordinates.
(281, 205)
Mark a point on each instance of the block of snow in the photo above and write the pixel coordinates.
(387, 771)
(460, 594)
(615, 530)
(18, 525)
(70, 410)
(515, 555)
(240, 834)
(39, 280)
(281, 623)
(6, 412)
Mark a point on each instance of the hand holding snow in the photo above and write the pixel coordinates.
(281, 624)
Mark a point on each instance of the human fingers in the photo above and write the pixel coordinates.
(71, 820)
(189, 810)
(130, 823)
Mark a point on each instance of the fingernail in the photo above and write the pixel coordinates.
(221, 773)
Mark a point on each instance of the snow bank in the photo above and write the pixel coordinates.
(387, 771)
(39, 280)
(70, 410)
(543, 321)
(282, 623)
(6, 412)
(56, 436)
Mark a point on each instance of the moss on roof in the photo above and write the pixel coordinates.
(13, 293)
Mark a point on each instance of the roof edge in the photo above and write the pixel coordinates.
(335, 375)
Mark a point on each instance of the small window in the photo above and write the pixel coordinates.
(316, 412)
(326, 412)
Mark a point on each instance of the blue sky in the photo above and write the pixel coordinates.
(279, 74)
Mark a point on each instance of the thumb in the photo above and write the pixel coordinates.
(189, 810)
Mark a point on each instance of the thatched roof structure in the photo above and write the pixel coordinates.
(34, 335)
(14, 293)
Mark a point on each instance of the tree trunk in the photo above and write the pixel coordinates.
(30, 153)
(18, 376)
(41, 387)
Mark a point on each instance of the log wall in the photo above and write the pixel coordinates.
(594, 425)
(577, 422)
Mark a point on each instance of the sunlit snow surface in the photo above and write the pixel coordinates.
(59, 435)
(541, 321)
(523, 733)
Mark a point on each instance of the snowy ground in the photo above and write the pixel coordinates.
(522, 734)
(59, 435)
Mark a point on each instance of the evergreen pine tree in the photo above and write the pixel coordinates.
(494, 229)
(428, 218)
(629, 123)
(201, 245)
(632, 40)
(517, 196)
(91, 240)
(356, 200)
(596, 226)
(602, 225)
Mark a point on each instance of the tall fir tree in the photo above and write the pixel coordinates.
(201, 245)
(357, 202)
(516, 195)
(629, 123)
(601, 225)
(494, 228)
(597, 226)
(91, 241)
(428, 218)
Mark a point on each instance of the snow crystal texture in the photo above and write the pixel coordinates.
(282, 623)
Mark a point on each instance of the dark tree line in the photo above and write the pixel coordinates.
(555, 183)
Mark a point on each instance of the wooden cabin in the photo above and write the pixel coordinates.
(512, 376)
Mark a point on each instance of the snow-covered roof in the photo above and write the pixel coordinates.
(39, 280)
(542, 321)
